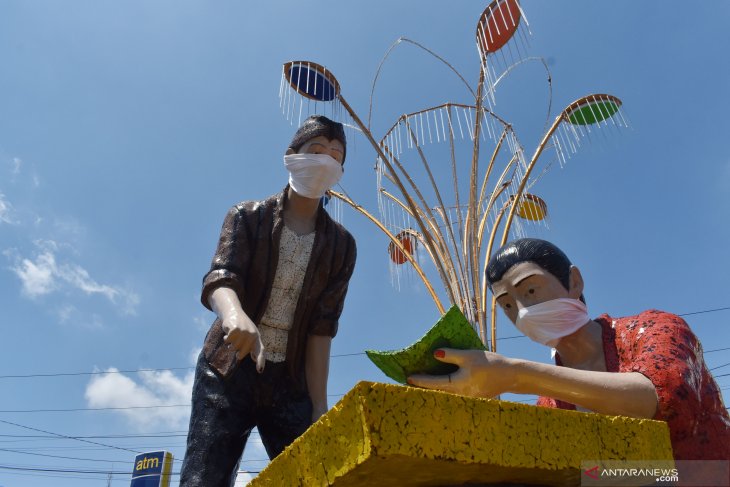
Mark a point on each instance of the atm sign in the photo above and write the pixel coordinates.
(152, 469)
(148, 463)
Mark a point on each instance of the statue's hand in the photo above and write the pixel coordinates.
(480, 374)
(243, 335)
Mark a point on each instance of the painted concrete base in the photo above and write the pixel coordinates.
(390, 435)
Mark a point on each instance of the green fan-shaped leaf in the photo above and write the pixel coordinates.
(452, 330)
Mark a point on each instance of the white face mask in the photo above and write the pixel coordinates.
(311, 175)
(552, 320)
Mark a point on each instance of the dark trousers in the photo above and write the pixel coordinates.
(224, 411)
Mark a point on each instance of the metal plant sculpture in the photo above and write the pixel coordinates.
(450, 176)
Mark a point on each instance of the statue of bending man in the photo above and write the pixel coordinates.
(646, 366)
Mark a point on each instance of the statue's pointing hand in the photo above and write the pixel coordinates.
(243, 335)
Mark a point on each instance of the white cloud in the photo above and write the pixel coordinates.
(65, 313)
(5, 210)
(69, 314)
(43, 275)
(129, 302)
(254, 459)
(37, 278)
(194, 353)
(116, 390)
(18, 166)
(203, 321)
(153, 389)
(68, 229)
(242, 479)
(203, 318)
(78, 277)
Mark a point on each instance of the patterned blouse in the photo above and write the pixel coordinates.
(294, 252)
(662, 347)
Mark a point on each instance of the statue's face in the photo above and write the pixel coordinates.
(322, 145)
(527, 284)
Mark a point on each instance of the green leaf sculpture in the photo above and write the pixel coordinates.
(452, 330)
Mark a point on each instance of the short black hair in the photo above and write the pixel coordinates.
(316, 125)
(541, 252)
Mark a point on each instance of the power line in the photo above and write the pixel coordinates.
(161, 434)
(720, 366)
(125, 408)
(130, 371)
(40, 470)
(63, 457)
(68, 437)
(91, 409)
(511, 337)
(704, 311)
(111, 408)
(67, 470)
(150, 435)
(163, 369)
(717, 350)
(96, 459)
(80, 438)
(70, 374)
(67, 476)
(91, 472)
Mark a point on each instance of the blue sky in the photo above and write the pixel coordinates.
(127, 129)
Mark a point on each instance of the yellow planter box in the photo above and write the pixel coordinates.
(390, 435)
